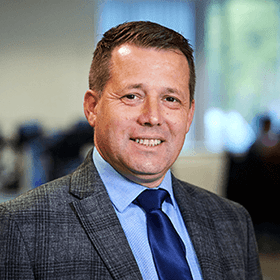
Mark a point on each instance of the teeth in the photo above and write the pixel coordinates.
(148, 142)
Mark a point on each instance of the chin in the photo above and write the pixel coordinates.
(149, 172)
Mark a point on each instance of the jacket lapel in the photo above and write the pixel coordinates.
(99, 220)
(201, 230)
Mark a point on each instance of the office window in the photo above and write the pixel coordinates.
(242, 55)
(178, 15)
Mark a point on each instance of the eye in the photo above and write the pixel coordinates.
(130, 96)
(131, 99)
(172, 102)
(171, 99)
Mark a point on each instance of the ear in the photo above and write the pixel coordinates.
(190, 116)
(90, 106)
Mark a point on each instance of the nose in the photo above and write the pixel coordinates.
(151, 114)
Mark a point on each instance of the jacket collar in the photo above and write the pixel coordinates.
(85, 179)
(100, 222)
(197, 217)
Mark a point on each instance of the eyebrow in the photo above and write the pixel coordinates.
(172, 90)
(141, 86)
(135, 86)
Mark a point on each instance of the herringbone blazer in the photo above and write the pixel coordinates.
(68, 229)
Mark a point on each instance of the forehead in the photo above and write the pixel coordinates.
(126, 49)
(130, 56)
(164, 70)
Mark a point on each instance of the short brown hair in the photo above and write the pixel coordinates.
(144, 34)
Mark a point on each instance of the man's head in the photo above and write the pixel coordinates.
(143, 34)
(142, 110)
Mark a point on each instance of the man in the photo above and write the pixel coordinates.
(92, 224)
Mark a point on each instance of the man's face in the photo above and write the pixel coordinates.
(144, 112)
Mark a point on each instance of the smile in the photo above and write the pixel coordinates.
(148, 142)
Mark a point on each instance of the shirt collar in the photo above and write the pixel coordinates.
(122, 192)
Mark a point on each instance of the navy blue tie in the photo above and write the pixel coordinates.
(168, 250)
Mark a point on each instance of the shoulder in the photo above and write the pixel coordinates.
(211, 204)
(209, 213)
(44, 196)
(42, 210)
(53, 195)
(221, 231)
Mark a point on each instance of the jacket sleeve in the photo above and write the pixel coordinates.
(14, 259)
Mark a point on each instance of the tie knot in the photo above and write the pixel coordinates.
(151, 199)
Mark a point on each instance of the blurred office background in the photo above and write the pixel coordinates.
(233, 147)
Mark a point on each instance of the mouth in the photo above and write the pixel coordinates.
(147, 142)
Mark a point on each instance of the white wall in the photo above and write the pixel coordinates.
(45, 53)
(205, 170)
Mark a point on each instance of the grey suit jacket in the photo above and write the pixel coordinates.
(68, 229)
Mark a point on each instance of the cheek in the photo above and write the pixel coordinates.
(178, 126)
(114, 129)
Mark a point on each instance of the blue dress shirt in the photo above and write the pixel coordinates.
(122, 193)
